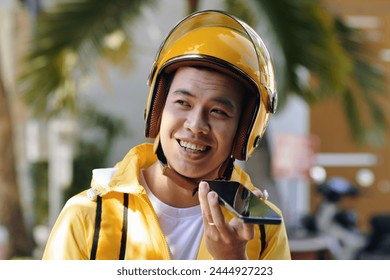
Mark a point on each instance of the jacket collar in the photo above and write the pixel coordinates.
(124, 177)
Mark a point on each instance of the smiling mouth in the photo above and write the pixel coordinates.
(193, 148)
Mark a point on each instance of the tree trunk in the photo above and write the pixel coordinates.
(192, 6)
(11, 215)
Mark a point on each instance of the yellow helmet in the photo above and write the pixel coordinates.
(220, 41)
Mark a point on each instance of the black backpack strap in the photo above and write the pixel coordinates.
(262, 239)
(124, 226)
(98, 220)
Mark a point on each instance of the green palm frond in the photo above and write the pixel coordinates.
(336, 59)
(307, 38)
(66, 43)
(242, 10)
(362, 103)
(69, 40)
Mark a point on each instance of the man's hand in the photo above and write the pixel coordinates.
(223, 240)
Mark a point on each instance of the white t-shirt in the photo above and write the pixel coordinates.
(182, 227)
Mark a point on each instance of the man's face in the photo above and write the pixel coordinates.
(199, 121)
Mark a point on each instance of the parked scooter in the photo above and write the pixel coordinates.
(345, 240)
(378, 244)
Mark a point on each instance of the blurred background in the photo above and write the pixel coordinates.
(73, 92)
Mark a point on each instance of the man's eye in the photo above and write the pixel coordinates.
(182, 103)
(219, 112)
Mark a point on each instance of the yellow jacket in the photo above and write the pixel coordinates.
(121, 223)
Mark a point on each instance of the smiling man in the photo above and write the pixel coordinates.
(212, 90)
(199, 121)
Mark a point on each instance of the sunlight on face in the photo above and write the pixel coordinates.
(199, 121)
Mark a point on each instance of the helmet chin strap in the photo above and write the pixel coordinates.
(224, 173)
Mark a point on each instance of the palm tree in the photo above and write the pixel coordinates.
(69, 38)
(11, 215)
(68, 41)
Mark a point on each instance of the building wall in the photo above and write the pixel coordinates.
(328, 120)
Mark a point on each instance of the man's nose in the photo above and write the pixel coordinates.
(197, 121)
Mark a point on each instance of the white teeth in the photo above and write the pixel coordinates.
(192, 146)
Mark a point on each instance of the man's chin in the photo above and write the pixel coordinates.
(196, 176)
(193, 172)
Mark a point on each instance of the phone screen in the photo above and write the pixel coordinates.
(243, 203)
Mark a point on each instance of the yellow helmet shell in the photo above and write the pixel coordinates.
(220, 41)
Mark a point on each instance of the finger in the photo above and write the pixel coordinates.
(258, 193)
(215, 209)
(261, 194)
(204, 204)
(225, 230)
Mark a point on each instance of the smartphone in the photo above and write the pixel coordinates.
(243, 203)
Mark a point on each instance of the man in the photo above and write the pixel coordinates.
(212, 90)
